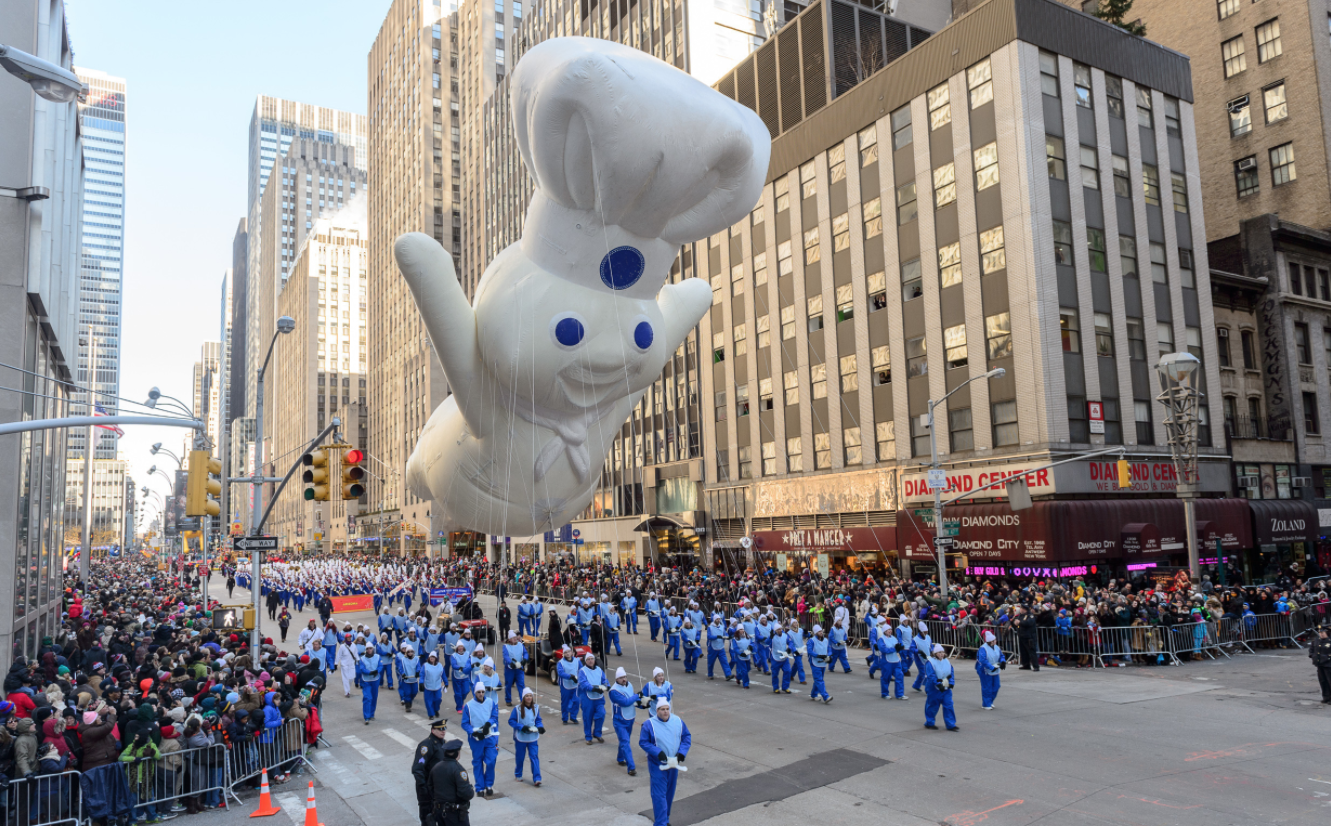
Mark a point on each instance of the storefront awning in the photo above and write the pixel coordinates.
(662, 523)
(1282, 521)
(835, 541)
(1140, 538)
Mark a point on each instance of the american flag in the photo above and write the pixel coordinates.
(98, 410)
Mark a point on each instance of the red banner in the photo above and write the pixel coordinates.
(361, 602)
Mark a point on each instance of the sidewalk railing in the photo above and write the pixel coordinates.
(44, 799)
(246, 761)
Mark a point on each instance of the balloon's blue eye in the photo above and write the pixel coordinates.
(569, 331)
(643, 335)
(622, 267)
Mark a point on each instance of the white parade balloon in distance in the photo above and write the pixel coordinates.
(632, 158)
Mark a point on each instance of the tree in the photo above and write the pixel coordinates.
(1116, 12)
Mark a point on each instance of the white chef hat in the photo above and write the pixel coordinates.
(459, 645)
(620, 672)
(923, 627)
(657, 670)
(488, 661)
(478, 649)
(989, 636)
(938, 649)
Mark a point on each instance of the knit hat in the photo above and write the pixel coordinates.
(620, 672)
(89, 717)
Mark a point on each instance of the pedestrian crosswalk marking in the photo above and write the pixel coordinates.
(293, 807)
(394, 734)
(367, 751)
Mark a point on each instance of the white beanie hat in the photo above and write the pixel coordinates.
(512, 635)
(479, 648)
(488, 661)
(923, 627)
(655, 671)
(817, 628)
(527, 691)
(989, 636)
(590, 656)
(620, 672)
(938, 649)
(662, 701)
(479, 687)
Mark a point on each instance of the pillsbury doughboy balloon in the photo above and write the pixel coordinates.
(631, 159)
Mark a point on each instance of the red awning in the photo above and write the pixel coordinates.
(836, 541)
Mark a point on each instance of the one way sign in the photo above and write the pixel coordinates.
(255, 543)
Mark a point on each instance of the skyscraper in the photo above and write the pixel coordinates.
(102, 118)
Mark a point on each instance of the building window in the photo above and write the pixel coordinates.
(1004, 415)
(901, 128)
(836, 163)
(794, 455)
(1186, 277)
(765, 394)
(1096, 251)
(722, 411)
(954, 345)
(1268, 41)
(1282, 164)
(1090, 168)
(1227, 7)
(769, 458)
(949, 264)
(782, 190)
(877, 286)
(873, 218)
(812, 250)
(1145, 113)
(1324, 283)
(809, 180)
(940, 110)
(741, 340)
(791, 383)
(1049, 74)
(850, 439)
(959, 429)
(1114, 96)
(760, 268)
(1273, 99)
(1248, 346)
(1245, 176)
(882, 365)
(906, 206)
(1230, 407)
(1159, 264)
(1180, 186)
(1142, 414)
(746, 462)
(912, 284)
(1164, 336)
(1231, 51)
(1079, 430)
(998, 335)
(1240, 116)
(850, 377)
(917, 362)
(1104, 335)
(841, 232)
(885, 434)
(993, 255)
(919, 436)
(1081, 80)
(815, 305)
(986, 166)
(1127, 255)
(1311, 422)
(1151, 184)
(1222, 346)
(718, 348)
(737, 279)
(845, 303)
(788, 323)
(1070, 330)
(1173, 126)
(1063, 243)
(1303, 344)
(868, 143)
(1122, 179)
(822, 451)
(945, 185)
(1056, 157)
(818, 379)
(784, 263)
(979, 80)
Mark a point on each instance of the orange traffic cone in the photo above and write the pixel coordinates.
(311, 813)
(266, 806)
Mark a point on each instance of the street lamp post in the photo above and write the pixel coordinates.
(1181, 398)
(996, 373)
(285, 324)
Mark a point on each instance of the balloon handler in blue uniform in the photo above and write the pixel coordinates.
(480, 719)
(525, 720)
(666, 741)
(566, 668)
(408, 676)
(515, 665)
(989, 663)
(367, 669)
(939, 680)
(625, 703)
(592, 688)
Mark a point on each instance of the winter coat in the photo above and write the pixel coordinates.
(25, 749)
(272, 718)
(294, 737)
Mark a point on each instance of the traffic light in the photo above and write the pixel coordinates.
(201, 485)
(352, 474)
(1124, 475)
(317, 475)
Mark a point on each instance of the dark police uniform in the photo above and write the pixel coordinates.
(428, 752)
(450, 788)
(1320, 652)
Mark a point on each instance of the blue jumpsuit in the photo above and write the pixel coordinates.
(515, 655)
(367, 669)
(672, 625)
(593, 701)
(630, 606)
(653, 617)
(819, 654)
(485, 750)
(987, 659)
(762, 645)
(692, 648)
(871, 624)
(666, 739)
(922, 646)
(716, 649)
(837, 636)
(525, 743)
(408, 672)
(741, 652)
(653, 692)
(612, 628)
(567, 671)
(624, 700)
(434, 676)
(386, 652)
(780, 662)
(934, 672)
(889, 662)
(796, 639)
(461, 667)
(524, 613)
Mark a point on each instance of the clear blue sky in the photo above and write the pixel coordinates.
(193, 71)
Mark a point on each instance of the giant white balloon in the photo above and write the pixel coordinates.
(631, 158)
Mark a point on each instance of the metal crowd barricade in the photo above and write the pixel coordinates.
(247, 760)
(44, 799)
(1195, 638)
(1270, 628)
(1132, 644)
(1305, 621)
(157, 784)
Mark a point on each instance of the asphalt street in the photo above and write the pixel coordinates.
(1241, 741)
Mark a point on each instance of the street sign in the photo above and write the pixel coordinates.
(937, 478)
(1095, 413)
(943, 541)
(951, 525)
(255, 543)
(576, 533)
(745, 542)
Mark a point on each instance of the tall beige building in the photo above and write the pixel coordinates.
(413, 159)
(207, 387)
(319, 369)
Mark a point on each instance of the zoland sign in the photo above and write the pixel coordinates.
(1155, 476)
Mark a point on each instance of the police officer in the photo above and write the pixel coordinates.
(1320, 652)
(428, 752)
(450, 788)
